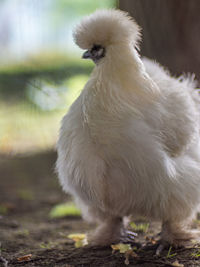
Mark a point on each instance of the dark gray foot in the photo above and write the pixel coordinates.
(162, 245)
(127, 236)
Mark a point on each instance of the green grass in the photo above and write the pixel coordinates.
(141, 227)
(54, 68)
(48, 245)
(26, 128)
(169, 254)
(23, 233)
(196, 254)
(63, 210)
(25, 194)
(3, 209)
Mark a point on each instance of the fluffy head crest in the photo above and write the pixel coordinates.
(106, 27)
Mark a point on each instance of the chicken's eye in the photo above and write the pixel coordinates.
(97, 52)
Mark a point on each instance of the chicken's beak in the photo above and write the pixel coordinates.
(87, 54)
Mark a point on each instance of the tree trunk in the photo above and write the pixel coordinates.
(171, 32)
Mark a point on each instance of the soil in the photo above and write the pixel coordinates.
(28, 191)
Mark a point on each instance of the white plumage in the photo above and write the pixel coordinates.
(129, 144)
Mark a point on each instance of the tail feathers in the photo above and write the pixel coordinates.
(190, 84)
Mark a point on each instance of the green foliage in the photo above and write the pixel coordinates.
(66, 209)
(3, 209)
(48, 96)
(36, 92)
(74, 86)
(169, 254)
(17, 78)
(141, 227)
(21, 123)
(48, 245)
(25, 194)
(46, 62)
(69, 9)
(23, 233)
(196, 254)
(33, 121)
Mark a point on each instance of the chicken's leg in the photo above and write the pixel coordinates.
(177, 235)
(109, 232)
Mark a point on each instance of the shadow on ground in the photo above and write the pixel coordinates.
(28, 190)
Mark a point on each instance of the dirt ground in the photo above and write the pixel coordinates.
(28, 191)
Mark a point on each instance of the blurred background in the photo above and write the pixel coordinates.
(41, 71)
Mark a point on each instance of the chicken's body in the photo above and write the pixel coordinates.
(130, 144)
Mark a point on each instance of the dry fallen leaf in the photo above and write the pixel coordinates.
(177, 264)
(121, 247)
(151, 240)
(79, 239)
(128, 254)
(126, 250)
(25, 258)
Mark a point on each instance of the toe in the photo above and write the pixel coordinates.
(127, 236)
(161, 247)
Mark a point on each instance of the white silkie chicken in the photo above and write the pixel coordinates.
(130, 144)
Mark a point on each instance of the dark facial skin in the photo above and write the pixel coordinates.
(95, 53)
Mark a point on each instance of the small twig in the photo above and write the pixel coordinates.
(2, 259)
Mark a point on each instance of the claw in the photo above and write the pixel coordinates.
(127, 236)
(163, 245)
(128, 232)
(159, 249)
